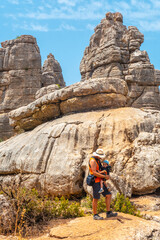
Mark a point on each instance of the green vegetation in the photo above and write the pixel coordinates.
(31, 208)
(58, 86)
(1, 140)
(119, 204)
(18, 37)
(122, 204)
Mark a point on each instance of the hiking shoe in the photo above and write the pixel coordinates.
(97, 217)
(111, 214)
(101, 190)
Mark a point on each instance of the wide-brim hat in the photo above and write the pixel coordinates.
(99, 153)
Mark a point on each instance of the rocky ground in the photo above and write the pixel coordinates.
(122, 227)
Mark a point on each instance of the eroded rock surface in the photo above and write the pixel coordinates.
(55, 154)
(20, 76)
(123, 227)
(52, 72)
(45, 90)
(79, 97)
(114, 52)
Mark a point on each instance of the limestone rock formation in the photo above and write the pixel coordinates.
(20, 76)
(55, 154)
(7, 215)
(52, 72)
(79, 97)
(114, 52)
(45, 90)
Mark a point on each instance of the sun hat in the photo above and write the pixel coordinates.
(106, 161)
(99, 153)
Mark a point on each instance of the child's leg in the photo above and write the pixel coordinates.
(101, 183)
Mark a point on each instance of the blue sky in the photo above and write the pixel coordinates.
(64, 27)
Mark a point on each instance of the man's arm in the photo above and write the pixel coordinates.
(95, 173)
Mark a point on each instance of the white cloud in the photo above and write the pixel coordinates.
(67, 2)
(150, 26)
(134, 11)
(65, 26)
(29, 1)
(32, 27)
(16, 2)
(90, 27)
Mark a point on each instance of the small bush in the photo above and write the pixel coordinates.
(119, 204)
(58, 85)
(31, 208)
(122, 204)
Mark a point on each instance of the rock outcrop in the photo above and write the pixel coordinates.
(123, 227)
(114, 52)
(52, 72)
(70, 123)
(45, 90)
(21, 76)
(55, 154)
(79, 97)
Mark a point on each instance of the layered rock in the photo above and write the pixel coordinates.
(54, 156)
(45, 90)
(79, 97)
(114, 52)
(52, 72)
(20, 76)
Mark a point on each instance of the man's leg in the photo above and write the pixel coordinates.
(94, 205)
(108, 196)
(108, 202)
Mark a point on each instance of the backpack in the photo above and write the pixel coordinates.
(90, 180)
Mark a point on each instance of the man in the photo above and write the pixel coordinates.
(94, 167)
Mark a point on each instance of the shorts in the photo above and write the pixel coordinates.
(96, 187)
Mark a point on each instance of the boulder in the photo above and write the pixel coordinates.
(52, 72)
(55, 154)
(79, 97)
(20, 76)
(114, 51)
(45, 90)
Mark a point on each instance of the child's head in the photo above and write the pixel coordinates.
(105, 163)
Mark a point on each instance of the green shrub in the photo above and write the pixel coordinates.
(123, 204)
(119, 204)
(58, 85)
(31, 208)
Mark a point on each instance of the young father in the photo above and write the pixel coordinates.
(94, 168)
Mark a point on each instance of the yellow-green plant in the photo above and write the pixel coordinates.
(119, 204)
(31, 207)
(123, 204)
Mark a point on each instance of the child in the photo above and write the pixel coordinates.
(105, 170)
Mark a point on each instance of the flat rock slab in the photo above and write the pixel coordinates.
(123, 227)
